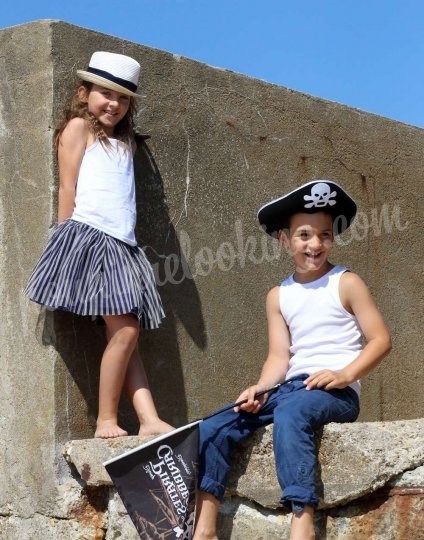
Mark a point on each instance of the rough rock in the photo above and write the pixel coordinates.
(88, 456)
(120, 525)
(355, 459)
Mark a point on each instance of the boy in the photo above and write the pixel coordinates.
(316, 320)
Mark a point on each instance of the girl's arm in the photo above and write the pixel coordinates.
(357, 299)
(276, 364)
(71, 148)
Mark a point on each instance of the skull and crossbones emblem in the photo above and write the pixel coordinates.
(321, 195)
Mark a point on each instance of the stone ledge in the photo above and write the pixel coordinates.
(355, 460)
(88, 456)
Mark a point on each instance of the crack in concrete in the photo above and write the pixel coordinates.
(184, 211)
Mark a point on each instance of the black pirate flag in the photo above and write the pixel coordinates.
(157, 484)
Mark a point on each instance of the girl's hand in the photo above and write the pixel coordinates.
(328, 380)
(253, 404)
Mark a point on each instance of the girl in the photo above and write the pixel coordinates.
(92, 264)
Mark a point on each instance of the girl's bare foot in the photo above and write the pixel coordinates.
(154, 427)
(108, 430)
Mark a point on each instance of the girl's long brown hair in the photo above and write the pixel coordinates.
(76, 108)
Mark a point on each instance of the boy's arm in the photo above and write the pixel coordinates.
(276, 364)
(71, 148)
(357, 299)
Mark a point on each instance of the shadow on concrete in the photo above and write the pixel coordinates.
(155, 232)
(80, 342)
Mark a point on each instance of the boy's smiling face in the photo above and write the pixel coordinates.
(309, 240)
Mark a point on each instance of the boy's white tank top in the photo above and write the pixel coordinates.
(324, 335)
(105, 193)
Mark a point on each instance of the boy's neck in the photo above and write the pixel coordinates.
(308, 277)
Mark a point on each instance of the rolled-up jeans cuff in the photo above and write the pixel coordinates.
(212, 487)
(298, 495)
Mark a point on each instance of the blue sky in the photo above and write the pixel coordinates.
(367, 54)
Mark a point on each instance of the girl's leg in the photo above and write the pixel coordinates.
(207, 507)
(122, 334)
(138, 390)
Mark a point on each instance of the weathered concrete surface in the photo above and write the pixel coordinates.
(409, 479)
(372, 483)
(79, 513)
(355, 460)
(221, 144)
(88, 456)
(27, 366)
(388, 517)
(46, 528)
(120, 525)
(241, 520)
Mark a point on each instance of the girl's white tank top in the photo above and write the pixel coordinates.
(105, 193)
(323, 334)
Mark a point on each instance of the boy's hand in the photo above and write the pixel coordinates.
(253, 404)
(327, 379)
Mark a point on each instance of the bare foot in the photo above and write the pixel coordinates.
(108, 430)
(154, 427)
(200, 536)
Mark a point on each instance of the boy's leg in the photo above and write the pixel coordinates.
(296, 418)
(218, 436)
(207, 507)
(302, 524)
(138, 390)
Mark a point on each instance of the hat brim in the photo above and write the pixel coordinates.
(106, 83)
(276, 214)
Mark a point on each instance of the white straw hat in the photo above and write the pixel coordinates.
(114, 71)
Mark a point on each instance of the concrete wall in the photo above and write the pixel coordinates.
(220, 145)
(27, 382)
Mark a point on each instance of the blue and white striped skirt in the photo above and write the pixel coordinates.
(88, 272)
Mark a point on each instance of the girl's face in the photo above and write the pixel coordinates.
(108, 106)
(309, 241)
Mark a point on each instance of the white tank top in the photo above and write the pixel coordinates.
(324, 335)
(105, 194)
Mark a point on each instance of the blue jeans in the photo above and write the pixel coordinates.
(297, 413)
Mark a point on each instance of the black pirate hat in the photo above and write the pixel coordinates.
(315, 196)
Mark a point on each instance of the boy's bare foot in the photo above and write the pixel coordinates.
(154, 427)
(109, 430)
